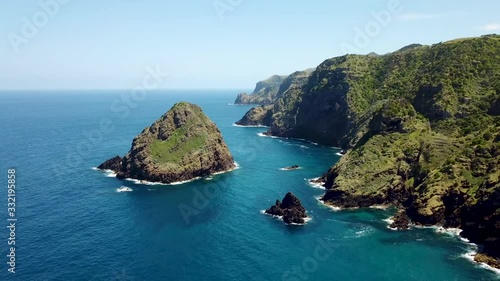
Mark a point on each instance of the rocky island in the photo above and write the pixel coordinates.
(290, 209)
(420, 128)
(184, 144)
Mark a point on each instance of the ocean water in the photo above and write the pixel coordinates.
(73, 224)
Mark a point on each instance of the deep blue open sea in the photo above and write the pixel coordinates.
(74, 225)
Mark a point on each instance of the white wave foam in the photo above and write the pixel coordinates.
(274, 216)
(379, 207)
(449, 231)
(364, 232)
(470, 257)
(249, 126)
(124, 189)
(267, 136)
(284, 138)
(112, 174)
(454, 232)
(314, 184)
(390, 221)
(144, 182)
(339, 154)
(306, 219)
(107, 173)
(334, 208)
(236, 167)
(290, 169)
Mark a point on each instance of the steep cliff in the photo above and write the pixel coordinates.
(421, 127)
(182, 145)
(265, 92)
(287, 97)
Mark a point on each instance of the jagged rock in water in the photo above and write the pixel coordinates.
(182, 145)
(113, 164)
(400, 221)
(290, 209)
(291, 168)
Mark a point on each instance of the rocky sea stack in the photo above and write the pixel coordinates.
(182, 145)
(290, 209)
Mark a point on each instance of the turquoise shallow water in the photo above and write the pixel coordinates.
(74, 225)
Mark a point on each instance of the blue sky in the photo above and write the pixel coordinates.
(91, 44)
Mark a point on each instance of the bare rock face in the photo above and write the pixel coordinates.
(113, 164)
(182, 145)
(401, 221)
(290, 209)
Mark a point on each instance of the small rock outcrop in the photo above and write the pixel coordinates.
(113, 164)
(182, 145)
(400, 221)
(291, 168)
(290, 209)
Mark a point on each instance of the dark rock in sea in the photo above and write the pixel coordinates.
(400, 221)
(113, 164)
(182, 145)
(290, 209)
(291, 168)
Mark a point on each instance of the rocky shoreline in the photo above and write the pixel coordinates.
(415, 137)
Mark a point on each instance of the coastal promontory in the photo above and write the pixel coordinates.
(420, 128)
(182, 145)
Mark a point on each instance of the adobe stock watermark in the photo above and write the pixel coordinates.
(322, 252)
(121, 107)
(30, 28)
(202, 197)
(373, 28)
(201, 200)
(222, 7)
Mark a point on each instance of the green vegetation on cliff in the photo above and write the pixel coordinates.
(265, 92)
(422, 130)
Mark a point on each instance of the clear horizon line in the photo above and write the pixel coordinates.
(124, 89)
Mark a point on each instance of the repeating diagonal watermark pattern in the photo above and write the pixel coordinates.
(121, 107)
(224, 7)
(363, 36)
(31, 26)
(202, 197)
(323, 251)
